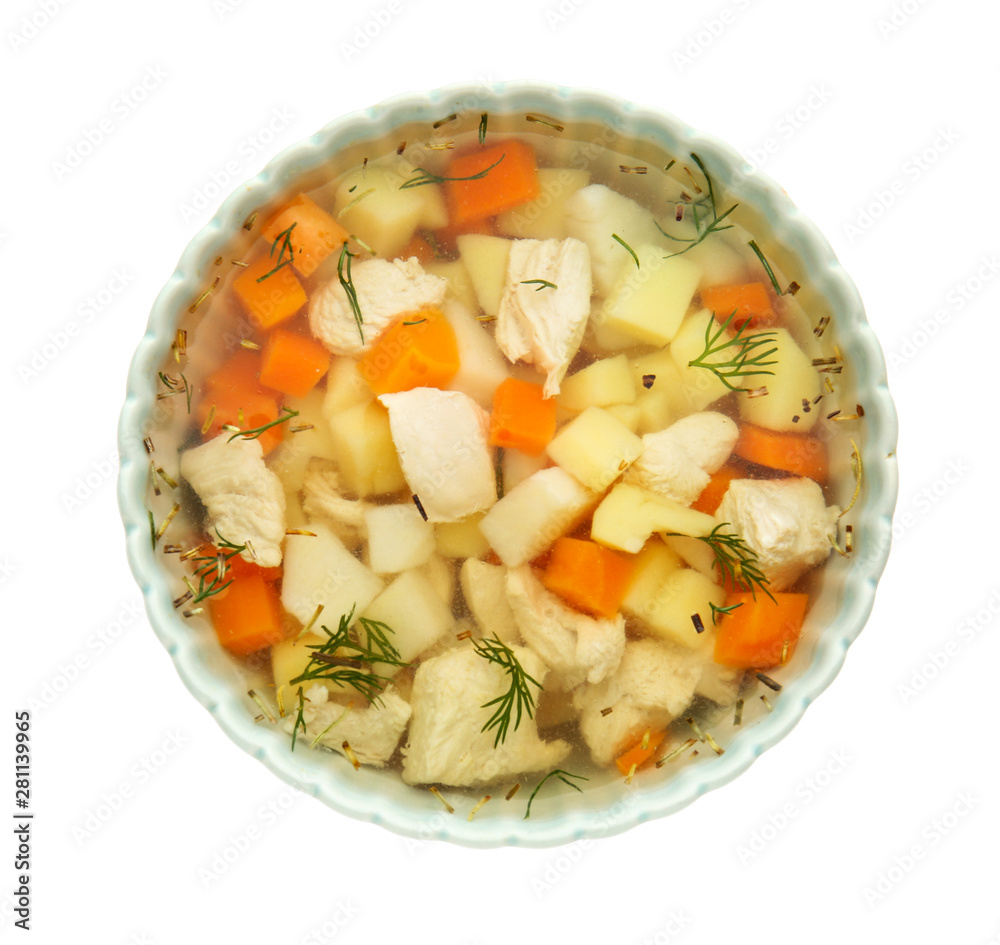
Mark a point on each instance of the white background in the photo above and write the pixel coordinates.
(889, 794)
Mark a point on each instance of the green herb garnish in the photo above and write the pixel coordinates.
(423, 176)
(767, 268)
(256, 432)
(344, 275)
(736, 561)
(541, 283)
(212, 570)
(631, 251)
(349, 661)
(299, 720)
(722, 610)
(560, 775)
(518, 698)
(483, 119)
(745, 358)
(703, 229)
(285, 254)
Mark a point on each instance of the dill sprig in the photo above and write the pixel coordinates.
(423, 176)
(255, 432)
(631, 251)
(299, 718)
(344, 275)
(541, 283)
(702, 228)
(517, 700)
(744, 357)
(560, 775)
(285, 254)
(211, 570)
(722, 610)
(348, 661)
(736, 561)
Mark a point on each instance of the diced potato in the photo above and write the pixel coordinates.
(601, 384)
(460, 288)
(345, 386)
(653, 565)
(667, 385)
(684, 593)
(720, 264)
(365, 451)
(414, 611)
(701, 386)
(318, 569)
(440, 572)
(461, 539)
(295, 517)
(794, 380)
(596, 448)
(482, 367)
(534, 514)
(517, 466)
(289, 659)
(484, 587)
(629, 414)
(600, 339)
(544, 217)
(630, 514)
(656, 410)
(398, 538)
(485, 259)
(371, 205)
(289, 459)
(695, 553)
(650, 302)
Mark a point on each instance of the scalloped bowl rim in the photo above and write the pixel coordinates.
(575, 822)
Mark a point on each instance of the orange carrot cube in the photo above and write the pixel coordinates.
(312, 233)
(760, 633)
(291, 363)
(522, 418)
(639, 756)
(750, 302)
(588, 576)
(795, 453)
(247, 615)
(418, 350)
(509, 178)
(269, 294)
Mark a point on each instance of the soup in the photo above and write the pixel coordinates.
(505, 456)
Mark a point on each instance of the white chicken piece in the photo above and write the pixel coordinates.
(544, 324)
(575, 646)
(653, 683)
(593, 214)
(372, 731)
(385, 290)
(785, 522)
(676, 462)
(323, 499)
(441, 438)
(446, 743)
(243, 498)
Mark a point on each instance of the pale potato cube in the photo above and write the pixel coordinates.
(345, 386)
(318, 569)
(460, 288)
(440, 572)
(485, 259)
(669, 613)
(720, 264)
(650, 302)
(290, 458)
(484, 587)
(544, 218)
(601, 384)
(517, 466)
(629, 414)
(700, 386)
(398, 538)
(653, 565)
(697, 554)
(415, 612)
(535, 513)
(461, 539)
(482, 368)
(630, 514)
(656, 410)
(371, 205)
(660, 371)
(795, 382)
(366, 454)
(295, 516)
(600, 340)
(290, 658)
(596, 448)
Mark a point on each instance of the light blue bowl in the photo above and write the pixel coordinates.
(607, 805)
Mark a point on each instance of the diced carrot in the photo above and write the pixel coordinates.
(247, 615)
(522, 418)
(751, 303)
(760, 633)
(234, 389)
(239, 372)
(718, 484)
(639, 756)
(291, 363)
(418, 350)
(269, 294)
(236, 566)
(795, 453)
(507, 184)
(316, 234)
(420, 247)
(588, 576)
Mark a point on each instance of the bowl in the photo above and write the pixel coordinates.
(608, 804)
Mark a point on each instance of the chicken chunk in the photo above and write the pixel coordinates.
(441, 437)
(654, 682)
(243, 498)
(785, 522)
(708, 437)
(323, 498)
(575, 646)
(544, 324)
(446, 742)
(385, 290)
(372, 731)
